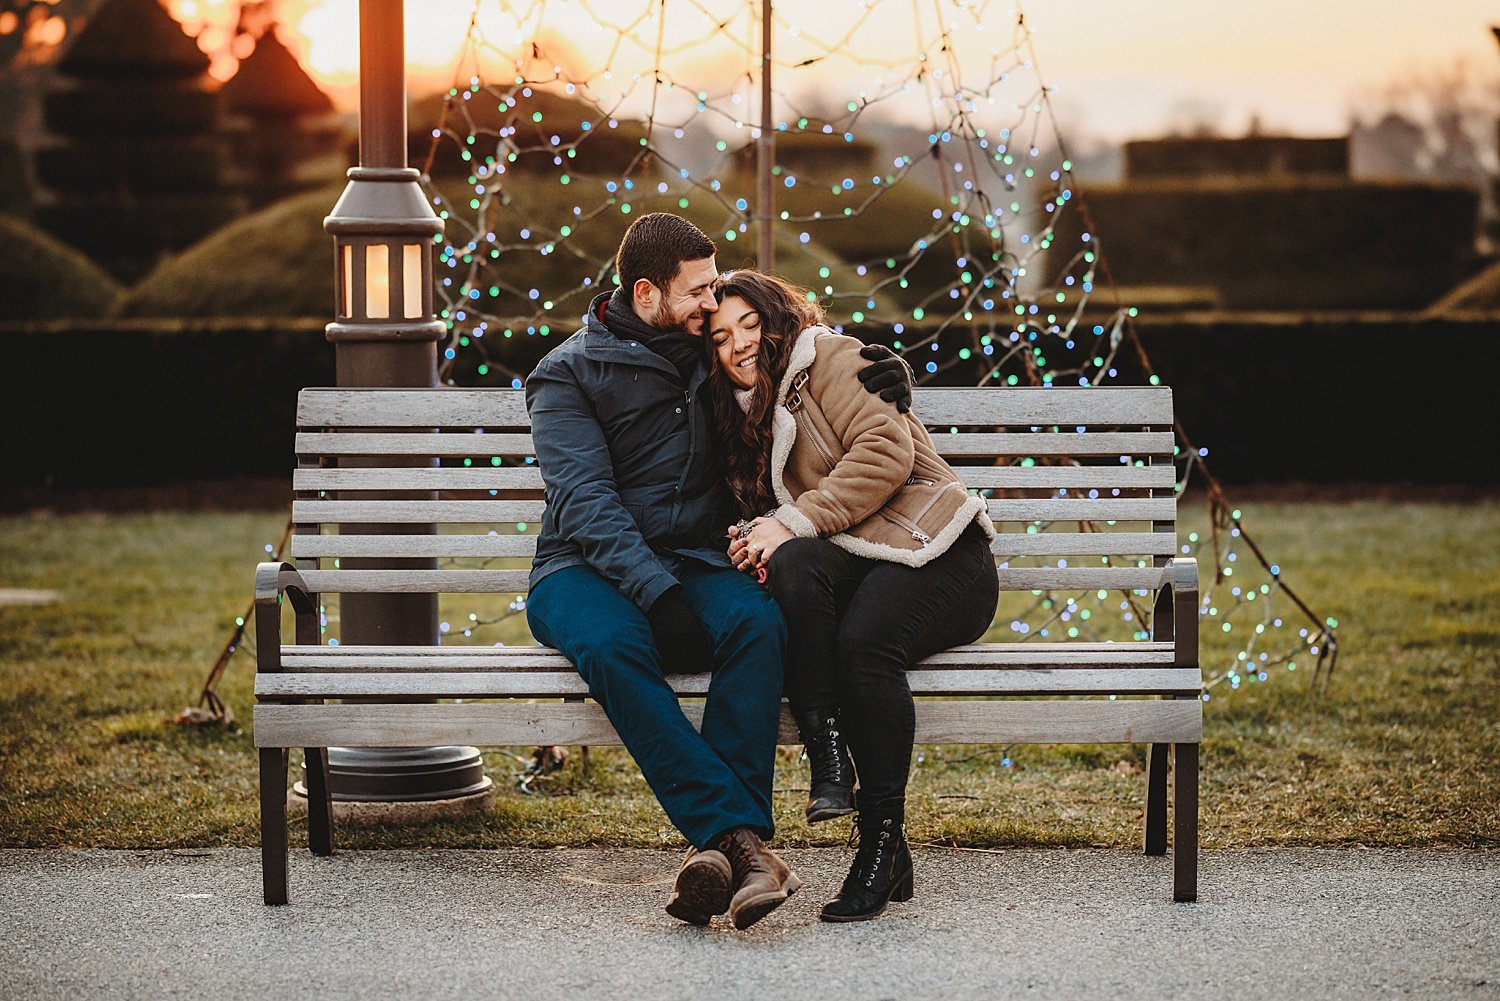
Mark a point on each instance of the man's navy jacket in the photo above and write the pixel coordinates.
(630, 463)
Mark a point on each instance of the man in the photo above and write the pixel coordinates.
(631, 580)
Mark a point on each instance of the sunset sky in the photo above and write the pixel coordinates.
(1119, 69)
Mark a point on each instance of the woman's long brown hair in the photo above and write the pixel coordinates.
(745, 438)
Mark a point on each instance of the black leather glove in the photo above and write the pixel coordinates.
(680, 639)
(889, 376)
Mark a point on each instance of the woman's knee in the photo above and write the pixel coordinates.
(802, 568)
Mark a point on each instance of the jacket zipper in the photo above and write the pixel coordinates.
(816, 439)
(687, 397)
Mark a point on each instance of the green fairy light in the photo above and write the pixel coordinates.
(1002, 258)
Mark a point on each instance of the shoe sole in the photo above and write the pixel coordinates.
(818, 816)
(754, 910)
(703, 891)
(840, 919)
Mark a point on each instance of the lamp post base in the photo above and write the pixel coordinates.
(404, 774)
(403, 785)
(397, 814)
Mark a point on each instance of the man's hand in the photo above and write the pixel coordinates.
(889, 376)
(680, 639)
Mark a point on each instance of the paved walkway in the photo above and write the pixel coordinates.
(572, 924)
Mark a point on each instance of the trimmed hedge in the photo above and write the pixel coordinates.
(42, 278)
(99, 404)
(1322, 398)
(1288, 244)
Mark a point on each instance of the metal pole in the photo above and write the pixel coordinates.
(765, 152)
(384, 199)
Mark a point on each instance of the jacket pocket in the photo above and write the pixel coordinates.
(906, 525)
(650, 519)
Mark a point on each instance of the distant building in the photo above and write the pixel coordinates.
(134, 166)
(1278, 223)
(283, 133)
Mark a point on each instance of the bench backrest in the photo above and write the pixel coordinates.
(1080, 481)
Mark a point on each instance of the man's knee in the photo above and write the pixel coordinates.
(759, 618)
(598, 637)
(751, 621)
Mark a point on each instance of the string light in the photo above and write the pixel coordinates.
(980, 291)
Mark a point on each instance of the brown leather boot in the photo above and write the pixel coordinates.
(702, 888)
(762, 882)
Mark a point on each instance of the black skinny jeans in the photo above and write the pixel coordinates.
(854, 627)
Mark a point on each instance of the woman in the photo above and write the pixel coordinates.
(872, 547)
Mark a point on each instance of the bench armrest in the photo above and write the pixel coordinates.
(272, 580)
(1175, 615)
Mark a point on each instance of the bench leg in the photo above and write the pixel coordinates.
(1185, 823)
(273, 837)
(1156, 799)
(319, 802)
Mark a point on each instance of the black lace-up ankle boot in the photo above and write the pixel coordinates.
(882, 869)
(831, 793)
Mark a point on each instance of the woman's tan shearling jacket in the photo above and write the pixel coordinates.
(851, 468)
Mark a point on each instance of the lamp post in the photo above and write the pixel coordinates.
(765, 159)
(385, 334)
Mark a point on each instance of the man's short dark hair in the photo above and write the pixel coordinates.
(655, 246)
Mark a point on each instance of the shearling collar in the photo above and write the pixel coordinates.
(783, 425)
(804, 353)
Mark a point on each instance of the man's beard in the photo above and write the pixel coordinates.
(662, 319)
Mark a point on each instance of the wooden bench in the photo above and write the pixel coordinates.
(1081, 485)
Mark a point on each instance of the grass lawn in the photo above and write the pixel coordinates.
(1402, 750)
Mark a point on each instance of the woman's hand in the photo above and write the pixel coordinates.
(754, 549)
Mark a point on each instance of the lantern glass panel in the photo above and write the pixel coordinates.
(411, 281)
(346, 288)
(378, 281)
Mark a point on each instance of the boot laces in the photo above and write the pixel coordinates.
(742, 856)
(824, 753)
(870, 854)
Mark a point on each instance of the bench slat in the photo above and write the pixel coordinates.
(1070, 578)
(491, 546)
(494, 546)
(306, 512)
(412, 408)
(1069, 477)
(1118, 657)
(1071, 509)
(516, 723)
(416, 581)
(1022, 406)
(1058, 405)
(1085, 544)
(451, 478)
(530, 478)
(492, 581)
(313, 443)
(556, 684)
(473, 512)
(1140, 444)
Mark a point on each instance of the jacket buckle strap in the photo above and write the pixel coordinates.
(794, 398)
